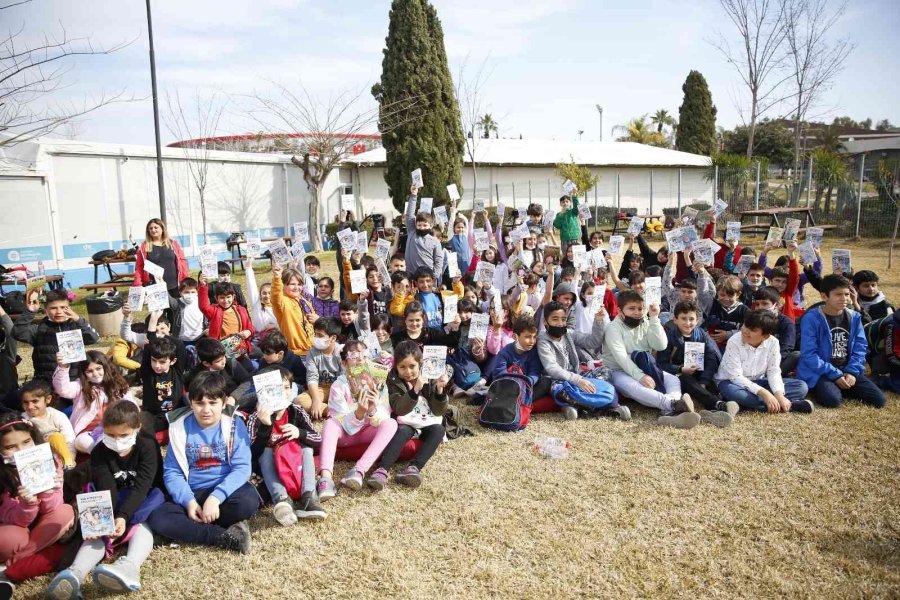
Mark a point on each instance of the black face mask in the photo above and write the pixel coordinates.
(631, 322)
(422, 232)
(556, 331)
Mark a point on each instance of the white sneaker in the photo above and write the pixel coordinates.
(284, 513)
(570, 413)
(121, 576)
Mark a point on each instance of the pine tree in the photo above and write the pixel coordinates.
(419, 117)
(696, 117)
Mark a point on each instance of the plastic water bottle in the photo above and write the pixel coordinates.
(552, 447)
(41, 270)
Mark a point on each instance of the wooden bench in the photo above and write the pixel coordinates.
(105, 286)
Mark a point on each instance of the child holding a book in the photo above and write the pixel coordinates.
(52, 424)
(30, 524)
(359, 415)
(100, 385)
(206, 471)
(293, 311)
(418, 405)
(128, 464)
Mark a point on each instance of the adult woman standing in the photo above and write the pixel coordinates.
(164, 251)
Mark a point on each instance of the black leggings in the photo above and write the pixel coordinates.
(431, 437)
(707, 395)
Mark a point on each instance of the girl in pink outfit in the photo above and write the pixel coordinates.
(28, 523)
(360, 414)
(500, 332)
(100, 384)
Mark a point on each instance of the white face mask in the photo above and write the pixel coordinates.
(542, 245)
(321, 343)
(95, 378)
(119, 445)
(519, 347)
(190, 298)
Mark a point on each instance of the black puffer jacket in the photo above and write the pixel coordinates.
(41, 335)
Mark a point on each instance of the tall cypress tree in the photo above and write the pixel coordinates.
(419, 116)
(696, 117)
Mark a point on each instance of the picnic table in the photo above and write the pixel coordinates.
(236, 256)
(54, 282)
(623, 220)
(116, 279)
(803, 212)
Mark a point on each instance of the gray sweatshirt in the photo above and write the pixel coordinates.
(552, 359)
(321, 367)
(422, 251)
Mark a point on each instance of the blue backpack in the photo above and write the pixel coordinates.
(466, 372)
(604, 397)
(508, 403)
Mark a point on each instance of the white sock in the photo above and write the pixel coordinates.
(89, 556)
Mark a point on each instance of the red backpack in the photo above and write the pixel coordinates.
(288, 461)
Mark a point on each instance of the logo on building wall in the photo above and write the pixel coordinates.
(13, 256)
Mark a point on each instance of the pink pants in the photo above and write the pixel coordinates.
(17, 542)
(377, 438)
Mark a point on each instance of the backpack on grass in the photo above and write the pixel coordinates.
(508, 403)
(604, 397)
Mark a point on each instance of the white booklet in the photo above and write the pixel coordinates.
(348, 202)
(733, 231)
(382, 249)
(635, 226)
(450, 302)
(616, 243)
(453, 191)
(358, 281)
(279, 251)
(579, 257)
(703, 252)
(814, 235)
(743, 265)
(417, 178)
(37, 470)
(154, 269)
(452, 265)
(719, 207)
(301, 231)
(807, 252)
(135, 298)
(549, 217)
(71, 344)
(440, 215)
(157, 297)
(362, 241)
(674, 240)
(478, 205)
(484, 272)
(520, 233)
(584, 211)
(791, 230)
(568, 186)
(434, 361)
(95, 513)
(597, 258)
(481, 240)
(347, 239)
(597, 300)
(652, 291)
(383, 271)
(270, 395)
(255, 248)
(478, 326)
(694, 353)
(501, 211)
(425, 205)
(210, 270)
(840, 261)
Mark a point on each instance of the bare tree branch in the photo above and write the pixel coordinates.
(471, 105)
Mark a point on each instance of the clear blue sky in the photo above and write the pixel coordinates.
(552, 61)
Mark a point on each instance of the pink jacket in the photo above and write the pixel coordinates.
(497, 339)
(141, 277)
(14, 512)
(83, 411)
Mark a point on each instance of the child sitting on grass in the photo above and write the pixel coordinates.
(833, 349)
(767, 298)
(323, 367)
(52, 424)
(750, 371)
(206, 472)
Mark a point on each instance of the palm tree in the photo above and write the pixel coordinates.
(829, 138)
(661, 119)
(637, 130)
(488, 125)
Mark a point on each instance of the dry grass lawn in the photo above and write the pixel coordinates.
(776, 506)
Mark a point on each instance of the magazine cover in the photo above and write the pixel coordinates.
(450, 302)
(358, 281)
(501, 211)
(278, 250)
(37, 470)
(210, 270)
(417, 178)
(568, 186)
(254, 248)
(791, 230)
(774, 234)
(452, 265)
(616, 244)
(584, 211)
(348, 202)
(382, 249)
(95, 513)
(425, 205)
(453, 191)
(743, 265)
(270, 395)
(674, 240)
(653, 291)
(814, 235)
(579, 256)
(807, 253)
(297, 253)
(434, 361)
(597, 300)
(549, 217)
(383, 271)
(478, 326)
(440, 215)
(719, 207)
(688, 236)
(840, 261)
(157, 296)
(71, 343)
(693, 355)
(703, 253)
(379, 373)
(362, 242)
(478, 205)
(733, 231)
(135, 298)
(484, 272)
(689, 216)
(481, 240)
(598, 260)
(635, 225)
(301, 231)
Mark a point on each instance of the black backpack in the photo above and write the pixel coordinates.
(104, 255)
(13, 302)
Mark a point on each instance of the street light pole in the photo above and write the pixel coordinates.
(159, 165)
(600, 110)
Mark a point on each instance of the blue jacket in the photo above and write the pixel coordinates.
(787, 335)
(672, 358)
(815, 348)
(529, 362)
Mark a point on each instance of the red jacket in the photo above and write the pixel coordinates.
(141, 277)
(788, 309)
(214, 313)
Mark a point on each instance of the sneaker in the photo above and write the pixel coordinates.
(121, 576)
(284, 513)
(685, 420)
(237, 538)
(410, 477)
(353, 479)
(804, 406)
(7, 589)
(65, 586)
(326, 489)
(377, 479)
(684, 405)
(308, 508)
(719, 418)
(570, 413)
(731, 407)
(620, 412)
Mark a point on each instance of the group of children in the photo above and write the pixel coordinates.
(354, 384)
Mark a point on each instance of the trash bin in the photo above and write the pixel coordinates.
(105, 312)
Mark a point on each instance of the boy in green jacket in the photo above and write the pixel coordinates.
(568, 223)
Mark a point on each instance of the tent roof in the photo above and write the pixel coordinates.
(492, 152)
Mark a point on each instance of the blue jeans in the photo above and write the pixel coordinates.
(794, 389)
(273, 481)
(171, 520)
(829, 395)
